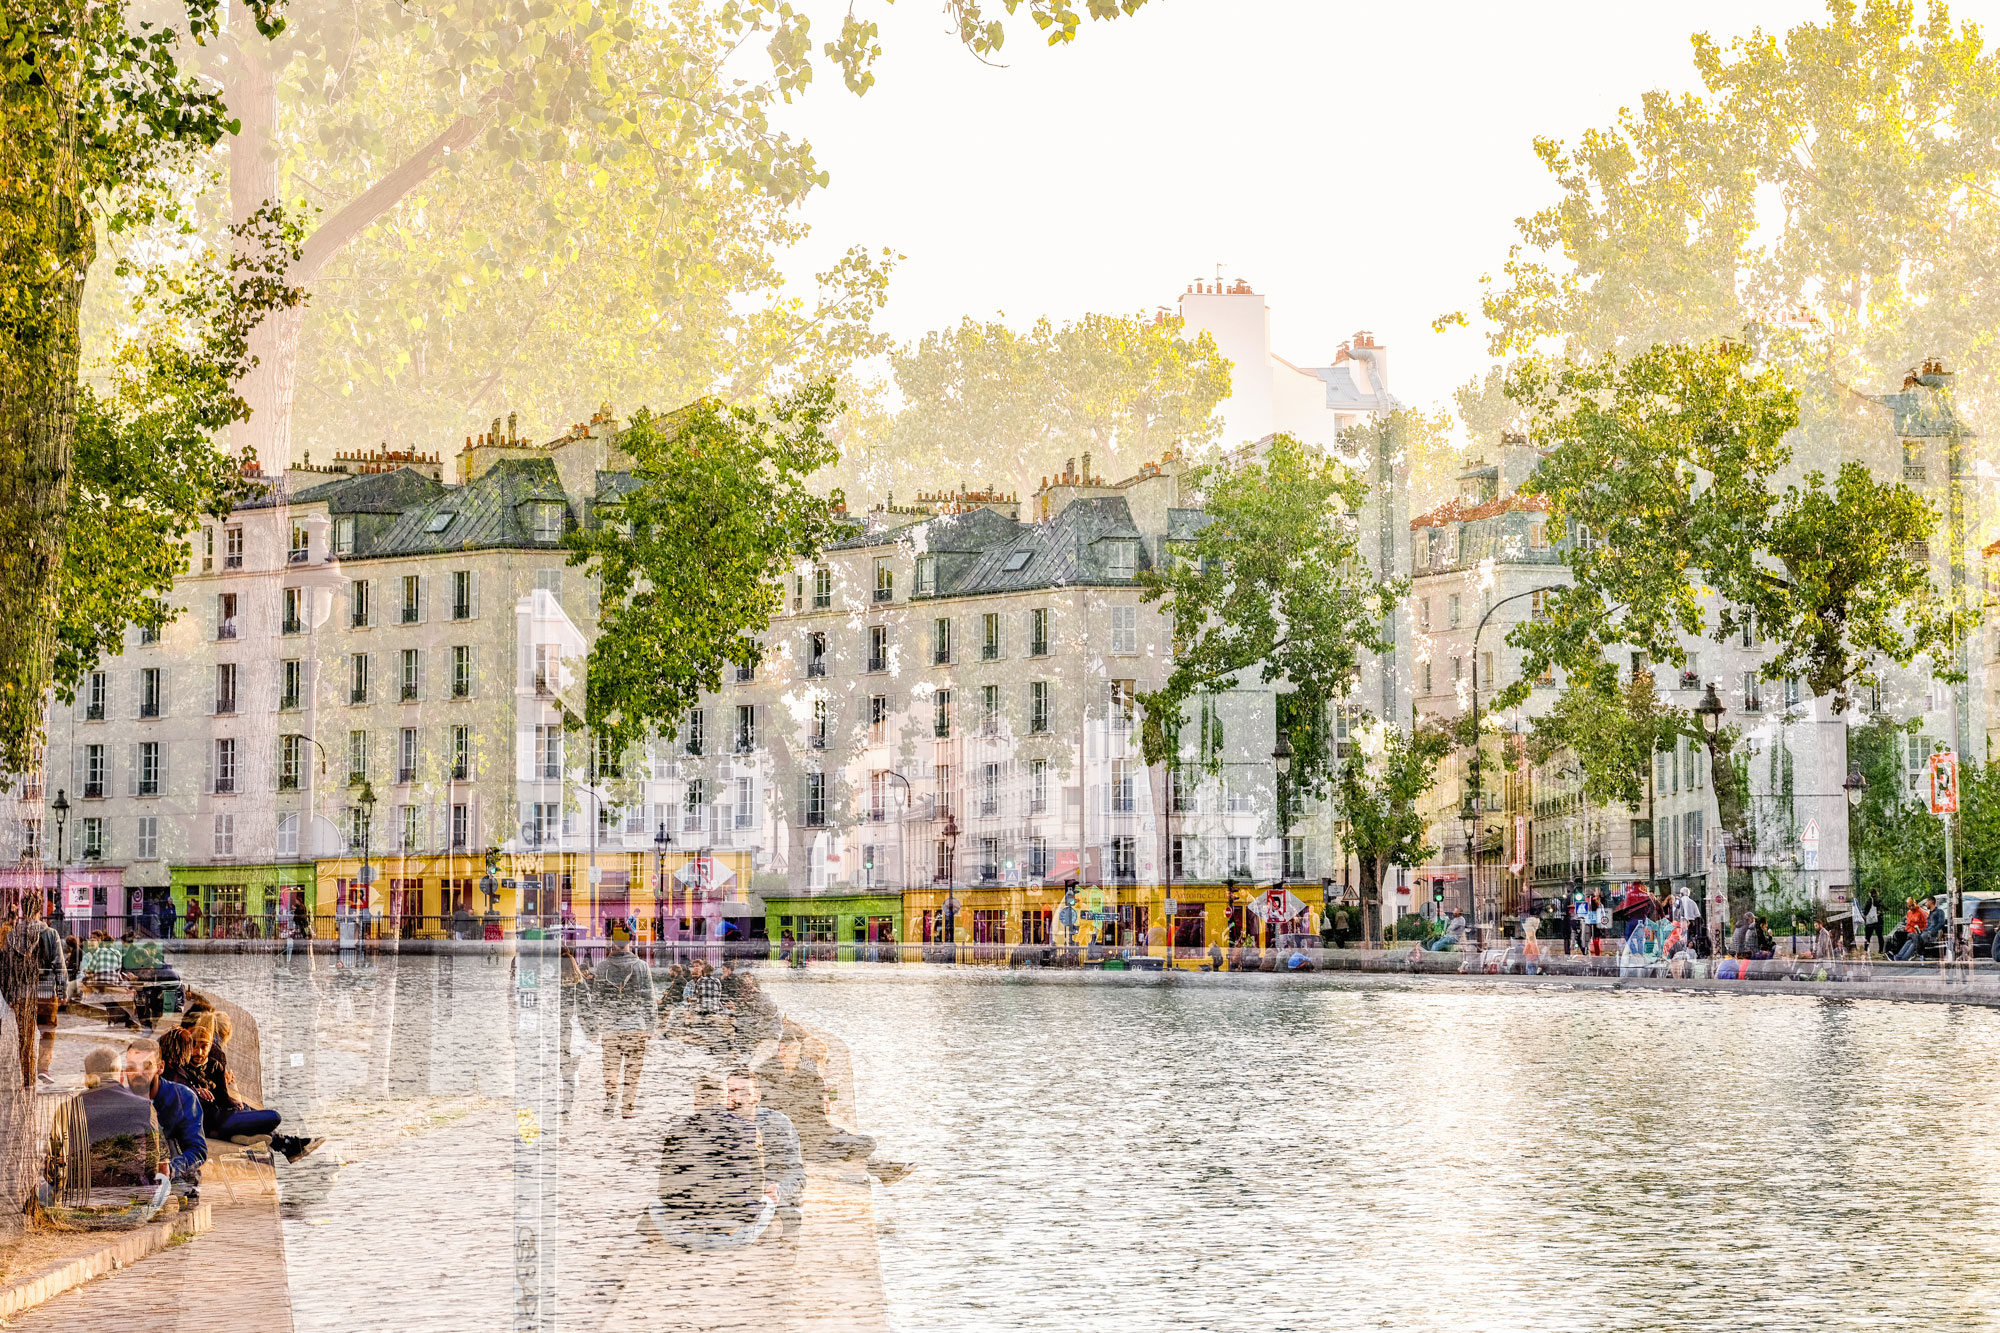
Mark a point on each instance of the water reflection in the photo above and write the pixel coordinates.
(1254, 1156)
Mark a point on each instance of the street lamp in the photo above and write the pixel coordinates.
(1281, 763)
(1709, 712)
(61, 807)
(1469, 817)
(366, 800)
(661, 841)
(1856, 785)
(950, 869)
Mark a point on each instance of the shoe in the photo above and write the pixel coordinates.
(610, 1106)
(305, 1148)
(629, 1115)
(889, 1172)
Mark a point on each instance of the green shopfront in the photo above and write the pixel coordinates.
(241, 901)
(829, 927)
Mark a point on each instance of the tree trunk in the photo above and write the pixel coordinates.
(46, 245)
(1371, 897)
(1732, 812)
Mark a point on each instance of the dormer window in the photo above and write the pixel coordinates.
(926, 574)
(1121, 558)
(1017, 562)
(439, 522)
(546, 520)
(343, 535)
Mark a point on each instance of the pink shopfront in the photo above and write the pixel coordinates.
(91, 897)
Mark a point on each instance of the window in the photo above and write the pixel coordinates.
(1177, 856)
(225, 765)
(288, 834)
(413, 599)
(438, 522)
(692, 742)
(1453, 610)
(878, 719)
(1538, 536)
(746, 728)
(878, 796)
(1038, 867)
(461, 753)
(549, 581)
(989, 710)
(406, 756)
(989, 639)
(941, 713)
(926, 575)
(941, 789)
(549, 752)
(301, 549)
(1124, 629)
(989, 789)
(93, 771)
(1124, 857)
(207, 549)
(1124, 793)
(149, 768)
(357, 678)
(816, 654)
(989, 871)
(885, 580)
(1121, 558)
(878, 647)
(232, 547)
(358, 605)
(1424, 614)
(745, 672)
(1753, 696)
(814, 801)
(1485, 680)
(1039, 699)
(412, 673)
(149, 629)
(1017, 561)
(291, 762)
(225, 615)
(1239, 858)
(224, 843)
(1424, 674)
(357, 758)
(943, 860)
(941, 641)
(818, 737)
(461, 672)
(547, 518)
(291, 683)
(1457, 670)
(462, 603)
(96, 690)
(413, 827)
(148, 848)
(1179, 797)
(343, 535)
(692, 805)
(1038, 632)
(225, 687)
(293, 617)
(544, 824)
(461, 827)
(1124, 705)
(822, 588)
(1038, 786)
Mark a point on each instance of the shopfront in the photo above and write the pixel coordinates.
(856, 927)
(986, 924)
(240, 901)
(91, 897)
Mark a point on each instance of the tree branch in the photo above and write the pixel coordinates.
(385, 194)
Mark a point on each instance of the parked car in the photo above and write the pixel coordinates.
(1981, 922)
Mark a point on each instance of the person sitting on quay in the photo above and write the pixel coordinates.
(145, 963)
(1919, 935)
(127, 1147)
(194, 1056)
(712, 1175)
(177, 1107)
(790, 1082)
(1453, 936)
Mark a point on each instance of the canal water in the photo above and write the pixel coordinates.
(1256, 1157)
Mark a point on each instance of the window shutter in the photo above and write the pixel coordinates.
(473, 578)
(208, 782)
(137, 676)
(132, 770)
(165, 750)
(423, 599)
(421, 658)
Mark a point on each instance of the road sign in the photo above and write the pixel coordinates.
(1944, 783)
(1067, 917)
(1809, 844)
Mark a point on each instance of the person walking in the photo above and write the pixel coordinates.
(36, 974)
(1871, 923)
(625, 1003)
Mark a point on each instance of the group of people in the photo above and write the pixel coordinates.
(127, 982)
(735, 1163)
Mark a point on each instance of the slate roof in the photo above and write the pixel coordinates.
(373, 492)
(486, 512)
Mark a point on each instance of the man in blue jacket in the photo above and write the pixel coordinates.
(178, 1108)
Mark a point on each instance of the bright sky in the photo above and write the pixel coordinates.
(1360, 167)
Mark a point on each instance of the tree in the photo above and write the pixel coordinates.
(691, 560)
(1828, 183)
(1898, 844)
(101, 113)
(1667, 462)
(984, 404)
(519, 198)
(1274, 582)
(1376, 791)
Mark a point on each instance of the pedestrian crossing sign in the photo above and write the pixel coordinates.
(1944, 783)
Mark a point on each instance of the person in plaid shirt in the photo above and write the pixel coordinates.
(103, 961)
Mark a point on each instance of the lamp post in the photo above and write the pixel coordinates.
(1469, 817)
(366, 801)
(950, 869)
(1709, 714)
(1281, 764)
(661, 841)
(61, 808)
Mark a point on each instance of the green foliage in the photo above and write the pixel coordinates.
(1276, 583)
(1411, 928)
(1613, 728)
(692, 561)
(1376, 791)
(1829, 181)
(986, 404)
(1668, 460)
(1898, 844)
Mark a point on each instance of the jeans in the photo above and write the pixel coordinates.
(246, 1122)
(624, 1061)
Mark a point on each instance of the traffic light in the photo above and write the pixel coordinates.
(1069, 893)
